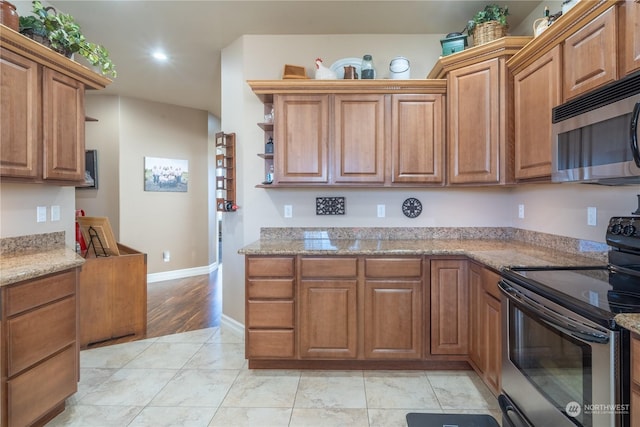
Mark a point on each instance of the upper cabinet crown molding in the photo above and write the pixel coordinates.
(580, 15)
(24, 46)
(265, 89)
(505, 46)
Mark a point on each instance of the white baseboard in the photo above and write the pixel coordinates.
(232, 325)
(179, 274)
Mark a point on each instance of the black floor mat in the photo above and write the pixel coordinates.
(415, 419)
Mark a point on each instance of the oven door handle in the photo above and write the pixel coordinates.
(555, 320)
(624, 270)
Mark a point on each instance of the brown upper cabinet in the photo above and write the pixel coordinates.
(478, 112)
(356, 133)
(590, 55)
(536, 90)
(42, 102)
(630, 36)
(301, 146)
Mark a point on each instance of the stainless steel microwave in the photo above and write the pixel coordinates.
(595, 136)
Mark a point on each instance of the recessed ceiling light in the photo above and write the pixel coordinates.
(160, 56)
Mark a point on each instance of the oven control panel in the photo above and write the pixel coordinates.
(624, 232)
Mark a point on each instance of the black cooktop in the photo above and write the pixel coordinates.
(589, 291)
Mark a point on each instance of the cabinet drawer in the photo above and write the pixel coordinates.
(37, 334)
(270, 344)
(270, 288)
(270, 266)
(329, 267)
(393, 267)
(490, 283)
(35, 293)
(270, 314)
(32, 394)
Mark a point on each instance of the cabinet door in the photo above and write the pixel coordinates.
(301, 132)
(536, 92)
(129, 295)
(358, 138)
(96, 296)
(20, 119)
(449, 307)
(63, 127)
(630, 36)
(473, 123)
(417, 138)
(328, 322)
(590, 55)
(493, 352)
(477, 343)
(393, 319)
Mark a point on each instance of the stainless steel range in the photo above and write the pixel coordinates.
(565, 360)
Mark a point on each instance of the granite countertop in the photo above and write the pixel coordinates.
(30, 257)
(494, 247)
(630, 321)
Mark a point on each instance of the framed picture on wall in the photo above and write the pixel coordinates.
(162, 174)
(90, 169)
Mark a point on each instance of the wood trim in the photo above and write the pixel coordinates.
(580, 15)
(265, 89)
(16, 42)
(505, 46)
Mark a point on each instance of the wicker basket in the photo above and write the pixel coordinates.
(488, 31)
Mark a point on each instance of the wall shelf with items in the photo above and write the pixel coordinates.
(267, 155)
(226, 172)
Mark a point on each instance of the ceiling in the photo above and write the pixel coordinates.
(193, 33)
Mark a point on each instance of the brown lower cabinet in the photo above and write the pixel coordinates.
(635, 380)
(113, 297)
(342, 312)
(485, 327)
(39, 351)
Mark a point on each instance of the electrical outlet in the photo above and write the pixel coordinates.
(592, 216)
(521, 211)
(55, 213)
(381, 209)
(41, 214)
(288, 211)
(166, 256)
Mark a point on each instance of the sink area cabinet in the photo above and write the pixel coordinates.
(42, 132)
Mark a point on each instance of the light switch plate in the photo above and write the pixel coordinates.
(55, 213)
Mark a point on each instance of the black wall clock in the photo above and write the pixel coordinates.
(411, 207)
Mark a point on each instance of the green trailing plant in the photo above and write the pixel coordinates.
(491, 12)
(65, 36)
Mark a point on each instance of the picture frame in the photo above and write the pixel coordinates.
(169, 175)
(94, 228)
(90, 170)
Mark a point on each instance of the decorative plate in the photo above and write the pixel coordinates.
(339, 65)
(411, 207)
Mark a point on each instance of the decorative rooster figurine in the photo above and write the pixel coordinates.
(324, 73)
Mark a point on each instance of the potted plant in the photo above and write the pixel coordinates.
(65, 36)
(488, 24)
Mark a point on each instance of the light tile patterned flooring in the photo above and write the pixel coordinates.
(200, 378)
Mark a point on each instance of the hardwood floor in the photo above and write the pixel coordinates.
(182, 305)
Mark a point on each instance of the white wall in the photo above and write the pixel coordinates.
(558, 209)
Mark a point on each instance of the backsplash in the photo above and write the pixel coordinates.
(561, 243)
(32, 242)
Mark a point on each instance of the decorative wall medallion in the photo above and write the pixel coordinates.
(330, 206)
(411, 207)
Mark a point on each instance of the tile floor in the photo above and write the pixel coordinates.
(200, 378)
